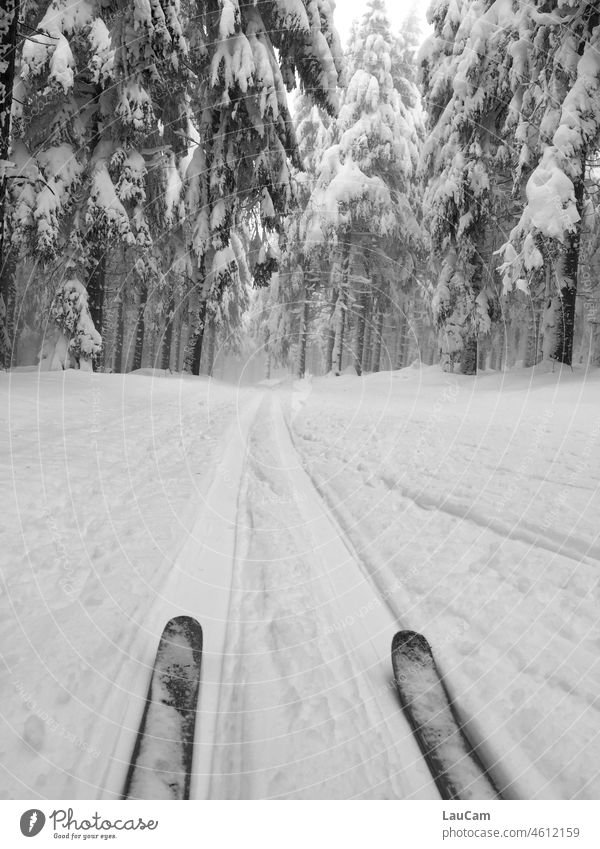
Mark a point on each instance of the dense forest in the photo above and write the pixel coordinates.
(186, 182)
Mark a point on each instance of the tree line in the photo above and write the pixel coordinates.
(162, 197)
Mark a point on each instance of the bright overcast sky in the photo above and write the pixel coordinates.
(347, 10)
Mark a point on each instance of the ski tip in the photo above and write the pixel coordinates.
(185, 621)
(186, 629)
(410, 641)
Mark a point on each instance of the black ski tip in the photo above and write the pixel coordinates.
(408, 642)
(185, 624)
(184, 628)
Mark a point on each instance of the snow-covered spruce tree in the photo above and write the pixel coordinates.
(301, 272)
(361, 199)
(103, 94)
(309, 270)
(464, 164)
(557, 130)
(404, 65)
(9, 20)
(70, 310)
(245, 57)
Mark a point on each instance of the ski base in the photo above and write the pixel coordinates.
(161, 763)
(454, 765)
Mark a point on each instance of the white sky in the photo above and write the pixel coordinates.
(347, 10)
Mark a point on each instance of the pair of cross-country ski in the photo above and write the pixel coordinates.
(161, 763)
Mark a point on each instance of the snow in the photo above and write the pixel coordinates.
(551, 198)
(306, 710)
(104, 206)
(105, 475)
(480, 499)
(303, 524)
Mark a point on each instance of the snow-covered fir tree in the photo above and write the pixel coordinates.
(130, 109)
(556, 122)
(301, 271)
(246, 57)
(9, 20)
(102, 94)
(465, 163)
(361, 202)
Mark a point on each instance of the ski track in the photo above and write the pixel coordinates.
(198, 585)
(308, 708)
(103, 476)
(508, 601)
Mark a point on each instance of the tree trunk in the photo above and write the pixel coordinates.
(210, 347)
(331, 335)
(338, 355)
(140, 329)
(95, 288)
(361, 311)
(377, 341)
(193, 352)
(366, 351)
(564, 301)
(119, 335)
(402, 342)
(532, 349)
(151, 344)
(8, 301)
(304, 332)
(178, 344)
(594, 351)
(482, 354)
(168, 334)
(468, 357)
(342, 305)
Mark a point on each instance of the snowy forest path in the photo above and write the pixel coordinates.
(198, 585)
(307, 705)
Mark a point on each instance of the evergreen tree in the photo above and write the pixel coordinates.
(465, 161)
(302, 271)
(361, 202)
(245, 57)
(116, 95)
(95, 141)
(9, 21)
(557, 129)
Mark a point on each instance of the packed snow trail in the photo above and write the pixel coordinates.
(199, 585)
(438, 481)
(308, 707)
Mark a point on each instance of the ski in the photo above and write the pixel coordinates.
(452, 761)
(161, 762)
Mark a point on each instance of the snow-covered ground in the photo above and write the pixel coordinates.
(103, 477)
(303, 524)
(476, 501)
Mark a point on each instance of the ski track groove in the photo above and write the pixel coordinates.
(577, 550)
(316, 688)
(174, 596)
